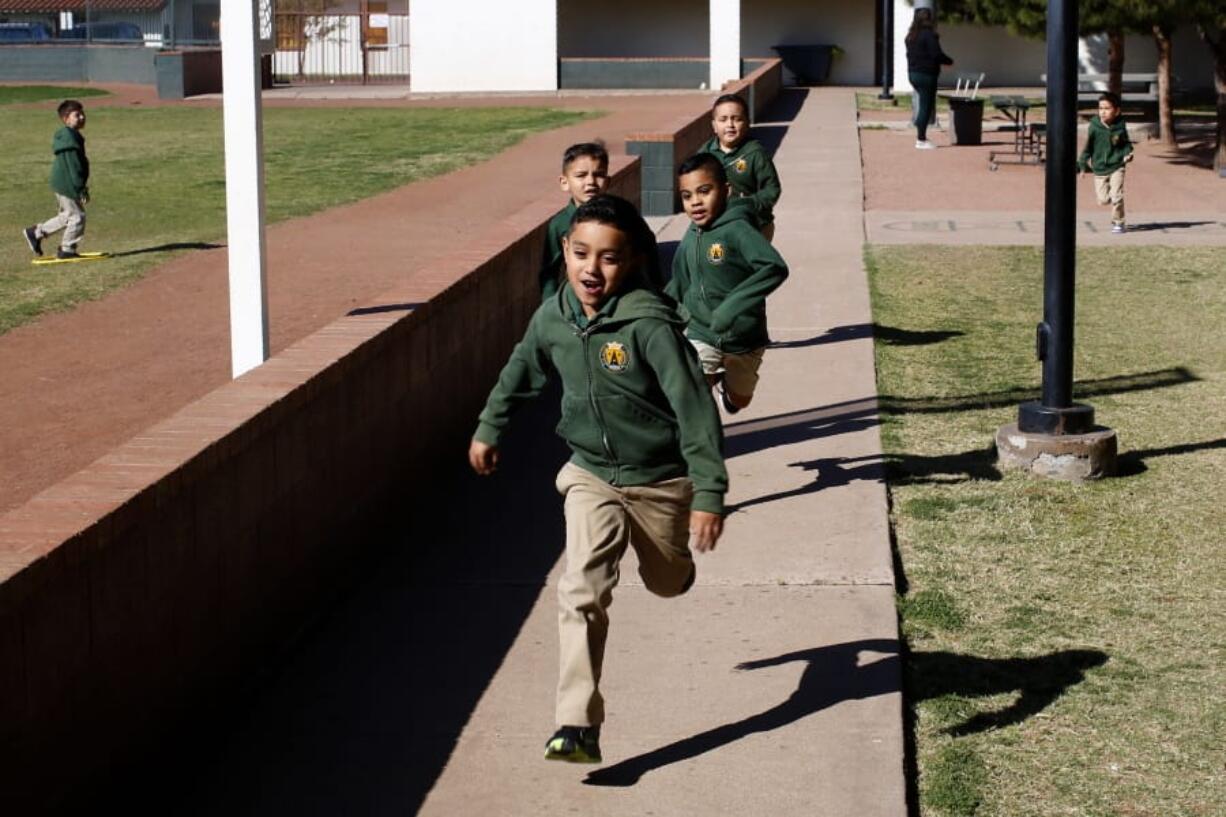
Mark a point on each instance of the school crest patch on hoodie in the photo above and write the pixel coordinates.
(716, 253)
(740, 166)
(614, 357)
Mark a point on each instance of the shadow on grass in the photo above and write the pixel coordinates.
(888, 335)
(1131, 463)
(181, 245)
(834, 674)
(1082, 389)
(749, 436)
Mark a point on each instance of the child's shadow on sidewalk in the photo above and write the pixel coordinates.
(833, 674)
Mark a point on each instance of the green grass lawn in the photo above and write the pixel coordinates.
(1067, 651)
(13, 94)
(158, 180)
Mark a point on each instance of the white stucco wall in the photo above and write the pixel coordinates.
(484, 45)
(632, 28)
(850, 25)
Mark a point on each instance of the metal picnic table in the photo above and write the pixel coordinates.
(1029, 138)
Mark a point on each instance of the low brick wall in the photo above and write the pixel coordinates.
(62, 62)
(662, 151)
(760, 86)
(154, 580)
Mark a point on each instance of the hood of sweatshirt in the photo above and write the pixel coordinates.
(738, 209)
(632, 304)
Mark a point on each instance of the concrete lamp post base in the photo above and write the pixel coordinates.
(1073, 457)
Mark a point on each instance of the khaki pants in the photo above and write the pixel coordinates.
(601, 520)
(71, 219)
(740, 371)
(1110, 190)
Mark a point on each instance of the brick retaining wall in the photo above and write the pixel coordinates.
(160, 575)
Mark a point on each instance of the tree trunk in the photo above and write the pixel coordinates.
(1217, 44)
(1166, 118)
(1115, 61)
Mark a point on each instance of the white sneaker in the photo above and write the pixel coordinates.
(924, 144)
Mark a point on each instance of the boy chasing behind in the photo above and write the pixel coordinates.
(585, 175)
(722, 273)
(750, 171)
(1106, 152)
(646, 469)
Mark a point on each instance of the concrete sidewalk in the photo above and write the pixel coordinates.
(773, 687)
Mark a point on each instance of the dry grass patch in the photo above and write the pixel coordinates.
(1066, 641)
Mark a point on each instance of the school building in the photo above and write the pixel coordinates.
(535, 45)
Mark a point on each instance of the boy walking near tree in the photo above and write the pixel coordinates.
(1106, 152)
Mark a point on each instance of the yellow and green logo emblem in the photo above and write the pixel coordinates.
(614, 357)
(740, 166)
(715, 253)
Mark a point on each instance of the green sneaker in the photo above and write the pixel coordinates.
(574, 744)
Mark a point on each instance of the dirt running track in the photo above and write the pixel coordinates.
(76, 384)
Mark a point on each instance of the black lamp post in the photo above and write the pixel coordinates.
(887, 48)
(1056, 413)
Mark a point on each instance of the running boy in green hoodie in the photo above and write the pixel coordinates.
(722, 273)
(1106, 152)
(750, 171)
(646, 468)
(69, 182)
(585, 175)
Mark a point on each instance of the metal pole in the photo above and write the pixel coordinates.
(1056, 413)
(240, 67)
(887, 48)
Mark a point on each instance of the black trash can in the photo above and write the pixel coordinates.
(966, 120)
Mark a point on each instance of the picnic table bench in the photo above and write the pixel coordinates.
(1137, 91)
(1029, 138)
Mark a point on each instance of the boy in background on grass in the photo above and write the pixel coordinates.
(750, 171)
(722, 273)
(646, 470)
(1106, 152)
(69, 182)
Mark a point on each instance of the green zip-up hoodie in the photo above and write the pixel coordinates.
(1106, 147)
(722, 275)
(752, 175)
(635, 406)
(553, 274)
(70, 167)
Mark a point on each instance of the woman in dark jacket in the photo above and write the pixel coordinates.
(924, 61)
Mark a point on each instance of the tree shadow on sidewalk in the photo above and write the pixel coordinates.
(833, 674)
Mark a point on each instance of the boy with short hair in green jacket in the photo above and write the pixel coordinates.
(1107, 150)
(646, 469)
(722, 273)
(750, 171)
(585, 175)
(69, 182)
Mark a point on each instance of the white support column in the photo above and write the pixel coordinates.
(725, 42)
(903, 12)
(244, 146)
